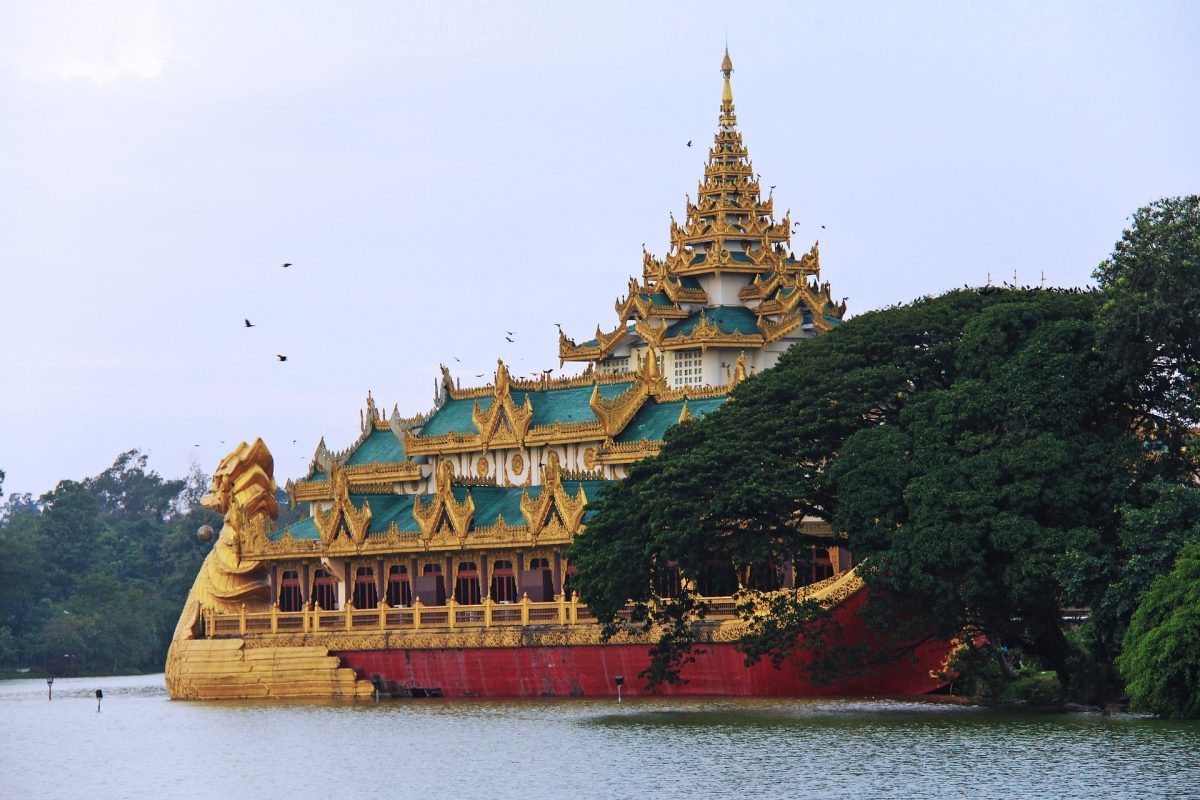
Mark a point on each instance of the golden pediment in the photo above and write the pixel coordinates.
(444, 515)
(342, 524)
(554, 511)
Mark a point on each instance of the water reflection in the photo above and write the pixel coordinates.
(143, 745)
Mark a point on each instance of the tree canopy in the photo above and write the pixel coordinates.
(93, 574)
(989, 456)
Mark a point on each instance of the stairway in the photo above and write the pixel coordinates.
(225, 669)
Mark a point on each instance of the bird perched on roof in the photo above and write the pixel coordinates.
(248, 323)
(281, 358)
(287, 264)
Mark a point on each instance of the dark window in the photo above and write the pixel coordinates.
(504, 582)
(546, 582)
(434, 572)
(569, 573)
(399, 588)
(764, 577)
(324, 591)
(717, 579)
(290, 598)
(366, 593)
(666, 581)
(466, 586)
(821, 565)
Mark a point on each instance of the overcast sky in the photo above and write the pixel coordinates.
(442, 173)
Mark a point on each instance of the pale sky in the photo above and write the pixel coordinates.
(441, 173)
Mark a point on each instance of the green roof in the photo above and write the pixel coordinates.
(302, 530)
(594, 342)
(656, 299)
(454, 417)
(490, 503)
(653, 419)
(686, 282)
(549, 406)
(378, 448)
(729, 319)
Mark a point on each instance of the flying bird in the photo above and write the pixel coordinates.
(281, 358)
(456, 358)
(287, 264)
(248, 323)
(511, 333)
(689, 142)
(772, 187)
(822, 227)
(509, 338)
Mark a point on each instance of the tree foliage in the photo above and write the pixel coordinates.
(94, 572)
(968, 444)
(1150, 325)
(1161, 659)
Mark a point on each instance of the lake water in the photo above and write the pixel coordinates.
(142, 745)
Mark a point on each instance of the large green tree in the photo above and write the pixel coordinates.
(1161, 659)
(968, 445)
(1150, 324)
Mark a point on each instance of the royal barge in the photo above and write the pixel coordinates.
(432, 558)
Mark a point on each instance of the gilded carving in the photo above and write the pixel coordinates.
(444, 514)
(518, 464)
(482, 467)
(342, 518)
(553, 507)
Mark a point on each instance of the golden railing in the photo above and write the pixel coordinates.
(452, 616)
(488, 614)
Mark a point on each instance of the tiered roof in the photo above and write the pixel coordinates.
(395, 488)
(729, 229)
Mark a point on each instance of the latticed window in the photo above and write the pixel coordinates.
(366, 593)
(615, 365)
(504, 582)
(466, 586)
(290, 598)
(324, 591)
(688, 368)
(399, 588)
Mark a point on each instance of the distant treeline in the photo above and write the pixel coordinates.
(93, 574)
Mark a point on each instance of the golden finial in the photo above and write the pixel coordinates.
(727, 117)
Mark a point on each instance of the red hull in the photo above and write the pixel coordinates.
(589, 670)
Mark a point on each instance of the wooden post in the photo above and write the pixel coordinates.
(349, 611)
(242, 620)
(383, 615)
(574, 608)
(562, 608)
(487, 611)
(525, 608)
(417, 605)
(450, 606)
(274, 618)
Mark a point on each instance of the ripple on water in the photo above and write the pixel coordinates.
(143, 745)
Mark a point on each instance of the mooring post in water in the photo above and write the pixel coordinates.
(99, 697)
(377, 682)
(49, 687)
(619, 680)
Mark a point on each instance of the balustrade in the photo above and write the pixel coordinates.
(418, 616)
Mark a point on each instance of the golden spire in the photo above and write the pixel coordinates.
(727, 117)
